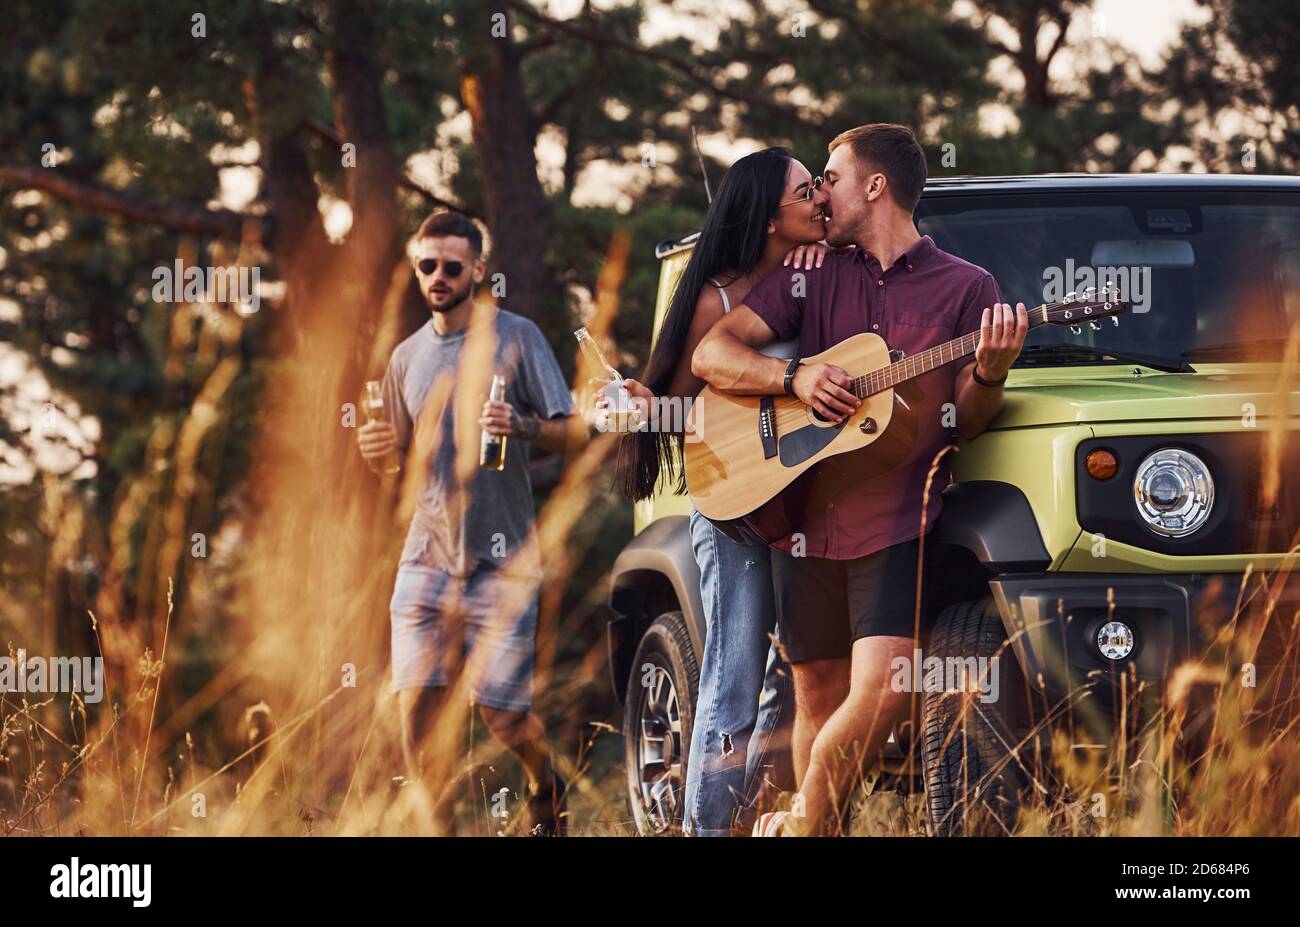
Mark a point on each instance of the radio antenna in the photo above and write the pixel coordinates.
(703, 170)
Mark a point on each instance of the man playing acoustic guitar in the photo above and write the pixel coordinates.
(846, 582)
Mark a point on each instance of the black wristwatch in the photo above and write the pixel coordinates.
(975, 375)
(788, 383)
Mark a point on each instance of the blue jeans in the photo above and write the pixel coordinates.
(745, 688)
(484, 625)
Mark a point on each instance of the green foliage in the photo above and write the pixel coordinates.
(581, 243)
(1240, 70)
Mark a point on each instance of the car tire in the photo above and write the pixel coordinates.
(972, 782)
(662, 688)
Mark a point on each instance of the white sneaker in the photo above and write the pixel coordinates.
(770, 824)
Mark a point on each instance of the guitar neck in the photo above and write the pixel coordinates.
(910, 367)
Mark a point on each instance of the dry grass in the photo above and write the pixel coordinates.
(288, 611)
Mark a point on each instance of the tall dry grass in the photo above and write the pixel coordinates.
(258, 702)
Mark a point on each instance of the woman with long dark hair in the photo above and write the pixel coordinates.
(764, 214)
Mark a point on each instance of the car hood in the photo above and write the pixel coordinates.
(1112, 393)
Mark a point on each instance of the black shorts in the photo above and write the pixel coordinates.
(823, 606)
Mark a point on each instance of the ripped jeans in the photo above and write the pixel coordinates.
(745, 689)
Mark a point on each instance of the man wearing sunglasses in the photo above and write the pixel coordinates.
(464, 605)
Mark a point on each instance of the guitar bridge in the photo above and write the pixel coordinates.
(767, 426)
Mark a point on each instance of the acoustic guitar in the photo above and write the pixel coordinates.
(762, 461)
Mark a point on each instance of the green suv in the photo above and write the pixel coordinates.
(1135, 475)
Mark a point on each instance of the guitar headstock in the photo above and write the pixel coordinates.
(1089, 306)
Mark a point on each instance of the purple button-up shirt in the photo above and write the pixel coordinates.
(925, 298)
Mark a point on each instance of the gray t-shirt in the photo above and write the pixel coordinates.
(491, 521)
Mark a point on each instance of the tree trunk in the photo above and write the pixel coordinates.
(493, 93)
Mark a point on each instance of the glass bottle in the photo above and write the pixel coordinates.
(492, 448)
(373, 406)
(622, 413)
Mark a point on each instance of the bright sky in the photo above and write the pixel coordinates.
(1147, 26)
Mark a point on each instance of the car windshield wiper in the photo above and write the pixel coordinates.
(1256, 346)
(1038, 353)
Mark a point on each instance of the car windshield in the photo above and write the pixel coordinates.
(1213, 275)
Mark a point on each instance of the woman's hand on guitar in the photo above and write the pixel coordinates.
(827, 389)
(809, 255)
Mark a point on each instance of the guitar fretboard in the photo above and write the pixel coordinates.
(900, 371)
(909, 367)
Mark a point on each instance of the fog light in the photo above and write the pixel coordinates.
(1115, 640)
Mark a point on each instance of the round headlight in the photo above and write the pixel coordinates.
(1115, 640)
(1174, 492)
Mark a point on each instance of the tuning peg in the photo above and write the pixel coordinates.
(1115, 320)
(1071, 296)
(1074, 329)
(1094, 325)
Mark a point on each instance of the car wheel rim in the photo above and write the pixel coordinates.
(659, 751)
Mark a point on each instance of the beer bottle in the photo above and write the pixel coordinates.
(622, 414)
(373, 406)
(492, 448)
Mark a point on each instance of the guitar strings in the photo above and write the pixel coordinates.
(892, 374)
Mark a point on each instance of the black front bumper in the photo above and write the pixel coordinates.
(1052, 620)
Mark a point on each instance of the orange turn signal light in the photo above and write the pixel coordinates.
(1101, 464)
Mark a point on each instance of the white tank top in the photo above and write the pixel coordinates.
(782, 349)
